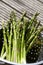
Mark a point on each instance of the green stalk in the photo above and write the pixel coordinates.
(31, 37)
(15, 42)
(14, 49)
(9, 40)
(12, 57)
(31, 44)
(23, 52)
(24, 14)
(33, 32)
(18, 42)
(7, 33)
(37, 25)
(2, 52)
(15, 45)
(34, 28)
(31, 25)
(5, 40)
(33, 20)
(4, 55)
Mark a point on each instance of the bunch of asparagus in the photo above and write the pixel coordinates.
(19, 37)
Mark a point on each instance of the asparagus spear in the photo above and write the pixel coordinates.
(5, 40)
(4, 55)
(30, 26)
(33, 32)
(23, 15)
(23, 52)
(33, 19)
(9, 41)
(31, 44)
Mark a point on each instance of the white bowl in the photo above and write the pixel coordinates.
(5, 62)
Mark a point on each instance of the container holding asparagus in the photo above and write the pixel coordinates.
(21, 39)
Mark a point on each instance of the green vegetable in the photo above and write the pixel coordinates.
(19, 37)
